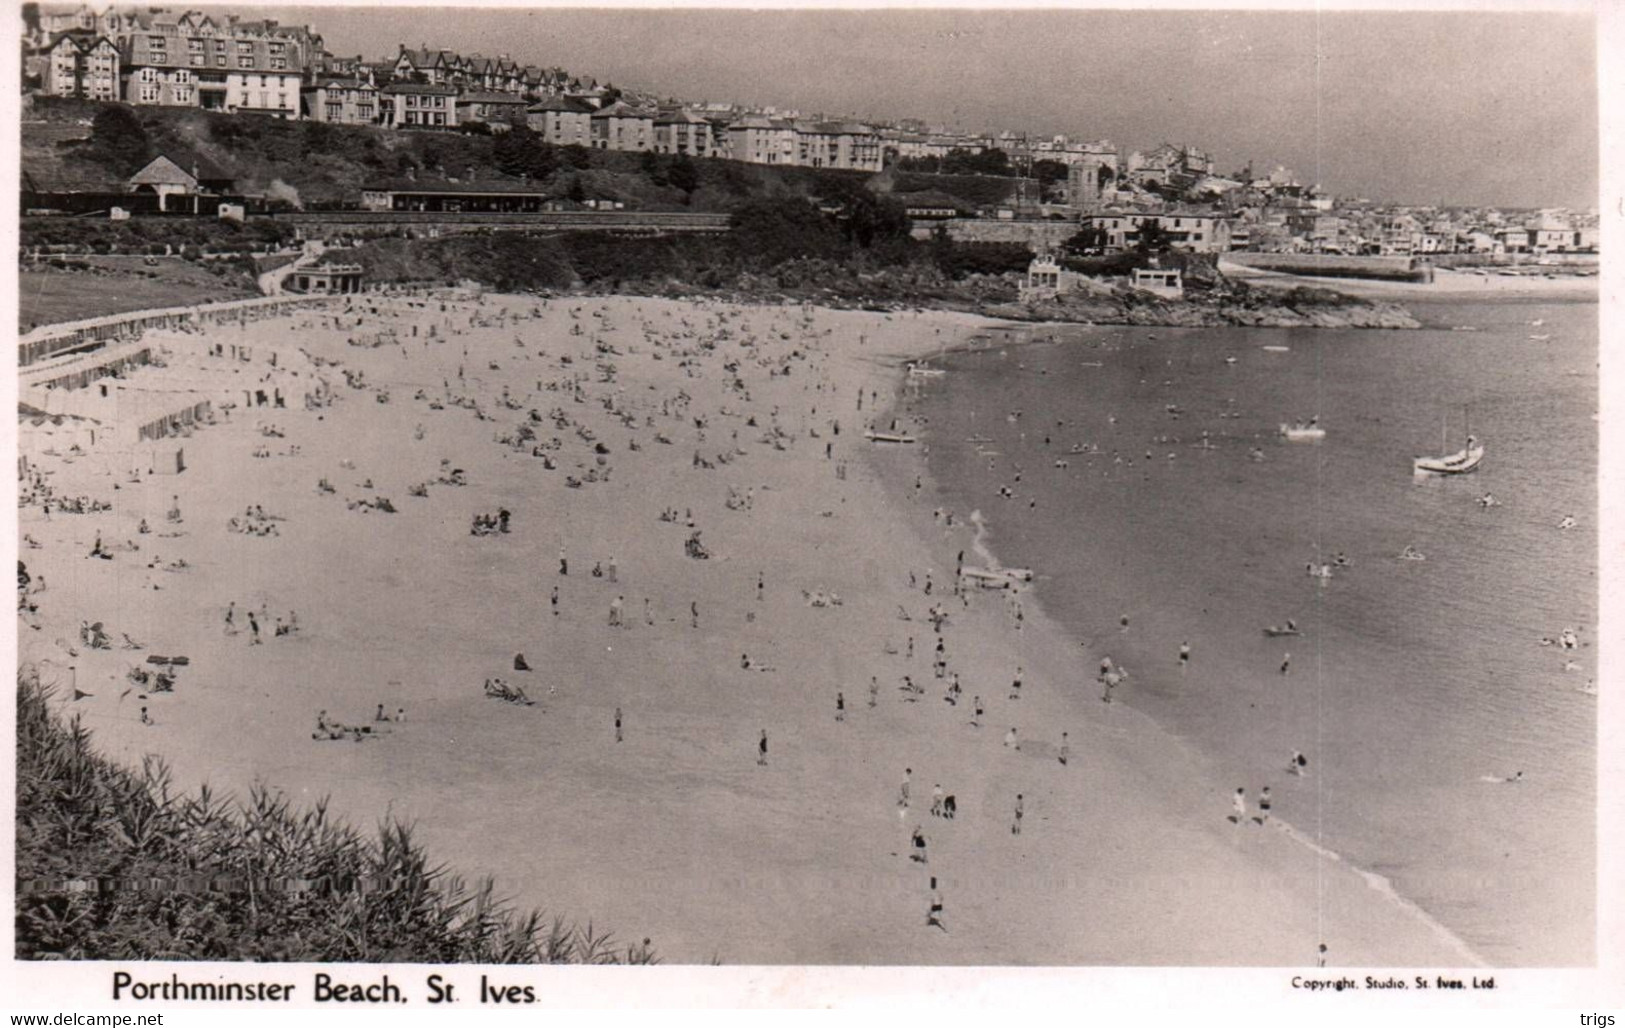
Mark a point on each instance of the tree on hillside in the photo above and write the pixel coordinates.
(521, 152)
(1089, 240)
(118, 140)
(868, 220)
(1153, 238)
(577, 193)
(774, 230)
(683, 174)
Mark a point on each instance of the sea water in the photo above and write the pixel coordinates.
(1147, 479)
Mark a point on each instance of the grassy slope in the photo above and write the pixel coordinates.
(118, 284)
(328, 164)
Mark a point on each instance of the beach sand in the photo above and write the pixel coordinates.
(676, 833)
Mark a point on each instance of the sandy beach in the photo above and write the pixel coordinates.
(586, 419)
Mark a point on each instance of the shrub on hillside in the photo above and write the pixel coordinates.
(81, 817)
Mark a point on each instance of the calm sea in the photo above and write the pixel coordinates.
(1414, 684)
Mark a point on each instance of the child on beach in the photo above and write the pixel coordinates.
(902, 795)
(1184, 655)
(976, 717)
(1015, 685)
(617, 724)
(874, 691)
(933, 917)
(918, 842)
(1264, 806)
(1286, 663)
(1066, 749)
(1010, 740)
(936, 800)
(1239, 803)
(840, 706)
(761, 750)
(1015, 826)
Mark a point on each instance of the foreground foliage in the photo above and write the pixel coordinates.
(204, 878)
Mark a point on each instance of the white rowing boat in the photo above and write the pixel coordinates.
(1303, 433)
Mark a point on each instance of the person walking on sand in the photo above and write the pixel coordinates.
(144, 718)
(840, 706)
(648, 615)
(1015, 684)
(1239, 803)
(761, 750)
(612, 570)
(231, 618)
(1286, 663)
(1297, 764)
(253, 626)
(554, 600)
(874, 691)
(1066, 749)
(933, 916)
(918, 843)
(936, 800)
(760, 585)
(1264, 807)
(615, 607)
(1010, 740)
(1184, 656)
(976, 716)
(564, 563)
(902, 794)
(618, 724)
(693, 614)
(1015, 826)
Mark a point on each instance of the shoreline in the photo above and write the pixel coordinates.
(1153, 743)
(663, 859)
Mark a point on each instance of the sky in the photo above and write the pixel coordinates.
(1470, 108)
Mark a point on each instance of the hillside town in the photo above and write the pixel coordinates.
(220, 62)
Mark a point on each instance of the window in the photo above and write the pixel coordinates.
(245, 48)
(220, 60)
(149, 94)
(148, 75)
(194, 45)
(335, 112)
(245, 62)
(198, 60)
(183, 76)
(279, 63)
(183, 94)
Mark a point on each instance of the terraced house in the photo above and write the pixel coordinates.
(341, 101)
(620, 126)
(194, 61)
(683, 131)
(561, 120)
(419, 105)
(81, 65)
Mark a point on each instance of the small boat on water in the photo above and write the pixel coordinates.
(1461, 462)
(1276, 631)
(888, 437)
(1276, 348)
(924, 371)
(1411, 553)
(1303, 433)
